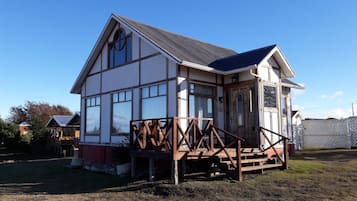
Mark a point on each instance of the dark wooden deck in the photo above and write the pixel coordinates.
(166, 139)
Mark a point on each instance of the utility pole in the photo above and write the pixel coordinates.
(353, 110)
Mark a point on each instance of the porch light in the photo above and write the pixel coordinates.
(235, 78)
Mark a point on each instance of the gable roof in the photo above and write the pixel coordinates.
(291, 84)
(185, 51)
(61, 120)
(241, 60)
(181, 47)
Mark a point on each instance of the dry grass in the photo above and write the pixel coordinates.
(313, 175)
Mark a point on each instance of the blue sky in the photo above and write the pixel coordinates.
(44, 44)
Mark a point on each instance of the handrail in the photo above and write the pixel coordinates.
(154, 134)
(228, 133)
(272, 145)
(270, 131)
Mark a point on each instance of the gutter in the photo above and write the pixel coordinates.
(213, 70)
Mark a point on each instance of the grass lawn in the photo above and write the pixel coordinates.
(312, 175)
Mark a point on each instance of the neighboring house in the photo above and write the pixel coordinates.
(136, 71)
(65, 132)
(298, 129)
(24, 128)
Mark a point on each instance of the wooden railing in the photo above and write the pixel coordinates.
(169, 135)
(272, 145)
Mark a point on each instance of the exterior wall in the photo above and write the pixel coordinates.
(117, 78)
(271, 118)
(153, 69)
(326, 134)
(147, 67)
(242, 76)
(96, 154)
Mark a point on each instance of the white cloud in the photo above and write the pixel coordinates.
(338, 113)
(332, 96)
(298, 107)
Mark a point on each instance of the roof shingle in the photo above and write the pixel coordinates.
(242, 60)
(181, 47)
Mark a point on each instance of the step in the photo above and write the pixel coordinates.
(254, 160)
(260, 167)
(251, 160)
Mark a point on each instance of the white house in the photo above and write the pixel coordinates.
(136, 71)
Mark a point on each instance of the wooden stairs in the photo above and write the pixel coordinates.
(252, 160)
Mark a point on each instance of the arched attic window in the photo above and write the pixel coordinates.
(119, 49)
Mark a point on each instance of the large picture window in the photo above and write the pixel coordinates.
(153, 101)
(119, 49)
(121, 114)
(93, 115)
(270, 96)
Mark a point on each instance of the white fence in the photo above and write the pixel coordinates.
(330, 133)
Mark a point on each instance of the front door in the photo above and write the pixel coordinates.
(242, 114)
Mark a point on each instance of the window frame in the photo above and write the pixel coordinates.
(150, 96)
(128, 52)
(275, 106)
(193, 93)
(118, 101)
(91, 102)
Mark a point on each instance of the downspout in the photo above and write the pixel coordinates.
(260, 110)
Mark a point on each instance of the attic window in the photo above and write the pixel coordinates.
(119, 49)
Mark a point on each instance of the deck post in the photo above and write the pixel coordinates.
(211, 137)
(286, 154)
(175, 175)
(133, 166)
(151, 169)
(174, 166)
(183, 168)
(239, 161)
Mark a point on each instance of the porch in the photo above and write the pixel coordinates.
(179, 140)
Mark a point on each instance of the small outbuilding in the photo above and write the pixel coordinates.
(65, 132)
(24, 128)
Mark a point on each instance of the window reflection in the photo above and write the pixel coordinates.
(153, 103)
(121, 114)
(93, 115)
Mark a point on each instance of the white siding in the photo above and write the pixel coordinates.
(172, 98)
(172, 69)
(263, 73)
(242, 76)
(83, 90)
(96, 66)
(93, 85)
(146, 49)
(274, 75)
(105, 118)
(92, 139)
(275, 126)
(182, 100)
(83, 117)
(122, 77)
(202, 76)
(153, 69)
(135, 47)
(105, 57)
(136, 103)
